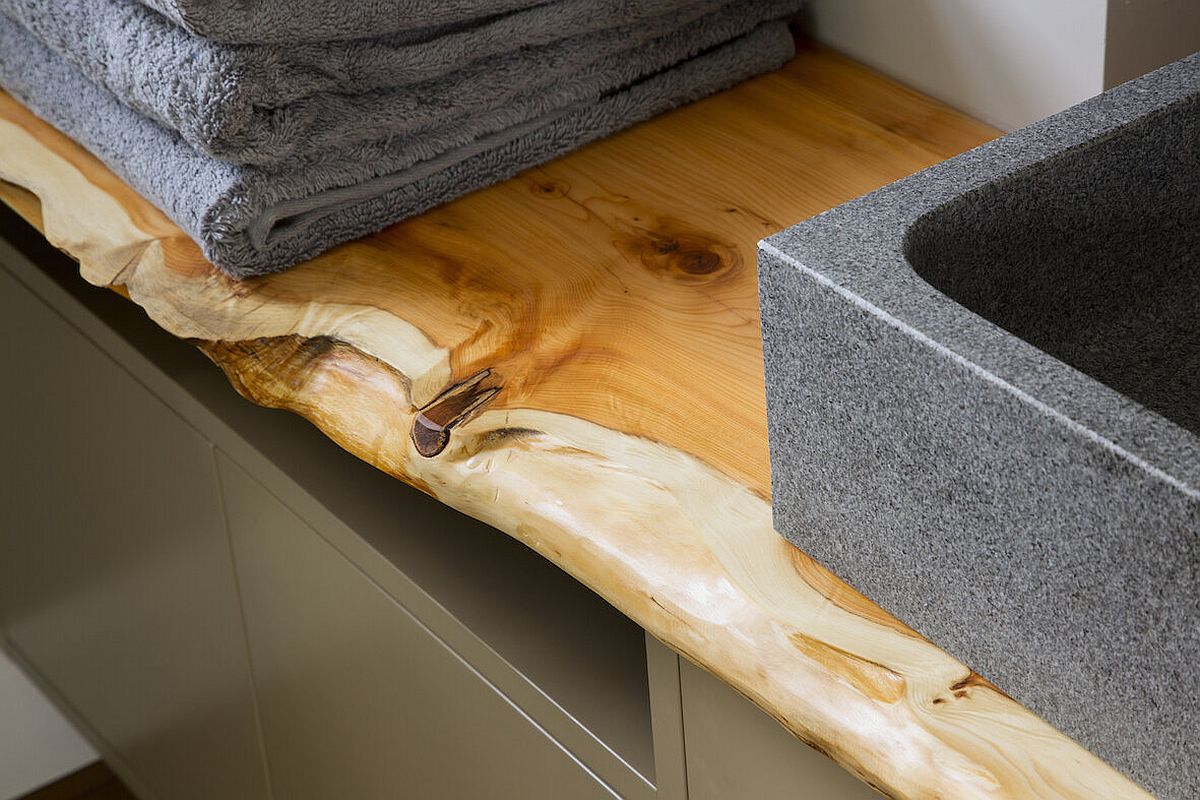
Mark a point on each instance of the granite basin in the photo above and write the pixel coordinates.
(983, 389)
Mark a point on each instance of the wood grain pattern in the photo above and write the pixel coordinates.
(573, 357)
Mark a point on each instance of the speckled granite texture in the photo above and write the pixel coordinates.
(983, 387)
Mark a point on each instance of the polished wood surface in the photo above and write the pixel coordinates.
(573, 356)
(93, 782)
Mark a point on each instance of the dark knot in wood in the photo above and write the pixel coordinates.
(550, 189)
(699, 262)
(683, 255)
(434, 422)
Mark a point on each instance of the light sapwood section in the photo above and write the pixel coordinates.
(573, 357)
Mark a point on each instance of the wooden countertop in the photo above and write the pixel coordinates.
(574, 357)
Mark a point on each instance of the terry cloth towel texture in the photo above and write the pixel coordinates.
(293, 21)
(250, 220)
(262, 105)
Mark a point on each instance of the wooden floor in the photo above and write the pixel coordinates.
(93, 782)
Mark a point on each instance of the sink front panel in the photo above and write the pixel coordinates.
(984, 413)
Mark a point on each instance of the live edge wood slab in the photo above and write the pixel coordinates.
(573, 357)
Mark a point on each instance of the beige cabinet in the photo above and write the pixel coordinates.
(116, 583)
(358, 698)
(736, 750)
(232, 607)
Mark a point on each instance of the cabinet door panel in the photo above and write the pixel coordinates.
(734, 749)
(116, 580)
(357, 698)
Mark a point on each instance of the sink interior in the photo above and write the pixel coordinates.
(1093, 256)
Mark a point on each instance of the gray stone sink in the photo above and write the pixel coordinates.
(983, 388)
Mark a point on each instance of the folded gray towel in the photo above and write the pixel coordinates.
(253, 106)
(250, 220)
(294, 21)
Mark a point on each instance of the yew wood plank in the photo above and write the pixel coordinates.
(574, 357)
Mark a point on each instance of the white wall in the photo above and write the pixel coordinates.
(36, 744)
(1145, 34)
(1006, 62)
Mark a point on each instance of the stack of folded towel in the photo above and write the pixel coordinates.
(271, 130)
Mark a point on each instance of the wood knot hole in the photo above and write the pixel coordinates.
(436, 420)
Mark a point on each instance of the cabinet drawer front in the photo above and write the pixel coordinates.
(116, 582)
(736, 750)
(358, 699)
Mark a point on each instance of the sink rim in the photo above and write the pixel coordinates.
(858, 250)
